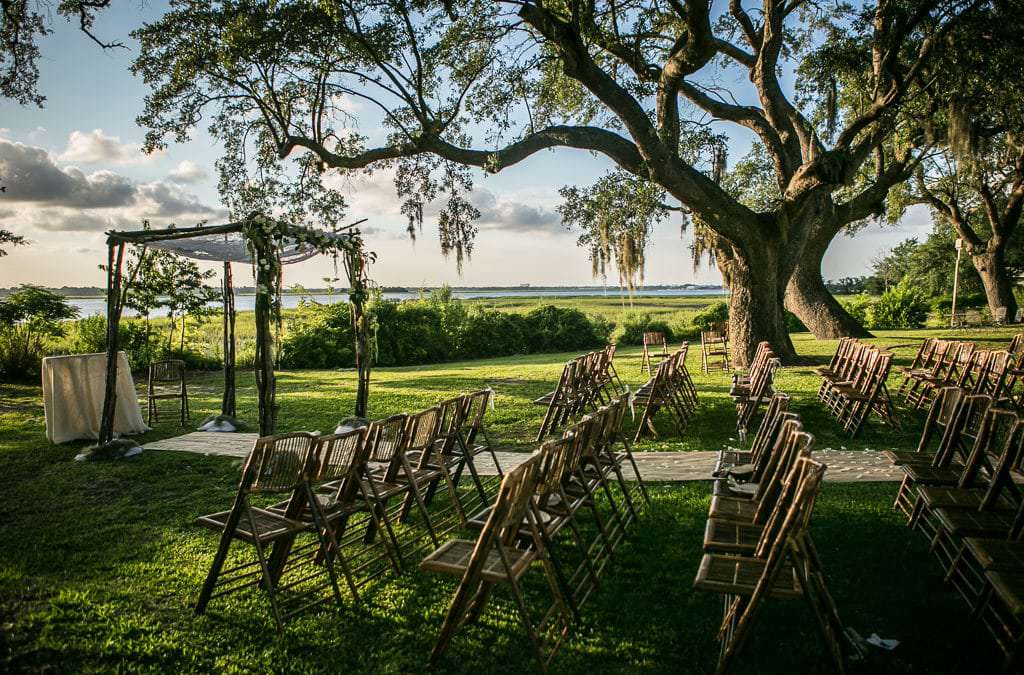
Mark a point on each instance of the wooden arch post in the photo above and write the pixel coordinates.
(228, 404)
(266, 279)
(115, 261)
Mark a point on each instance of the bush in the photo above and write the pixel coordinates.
(30, 318)
(944, 303)
(899, 307)
(435, 329)
(859, 307)
(635, 324)
(712, 314)
(141, 344)
(793, 323)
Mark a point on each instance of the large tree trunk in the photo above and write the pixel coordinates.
(757, 284)
(811, 301)
(995, 278)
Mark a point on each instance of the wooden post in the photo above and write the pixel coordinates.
(228, 405)
(115, 259)
(355, 267)
(265, 384)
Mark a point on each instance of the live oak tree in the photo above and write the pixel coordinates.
(489, 84)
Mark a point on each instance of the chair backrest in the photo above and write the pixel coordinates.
(784, 453)
(943, 410)
(452, 413)
(511, 508)
(769, 426)
(995, 427)
(278, 463)
(476, 408)
(804, 479)
(772, 508)
(656, 338)
(422, 429)
(1017, 343)
(1008, 443)
(386, 438)
(555, 456)
(341, 457)
(923, 353)
(171, 370)
(994, 381)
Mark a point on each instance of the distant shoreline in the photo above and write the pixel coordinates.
(84, 293)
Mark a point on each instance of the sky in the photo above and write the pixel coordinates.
(74, 169)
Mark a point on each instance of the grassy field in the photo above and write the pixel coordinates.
(100, 562)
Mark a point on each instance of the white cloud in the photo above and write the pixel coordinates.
(187, 172)
(96, 147)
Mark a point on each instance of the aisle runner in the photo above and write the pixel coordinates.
(844, 466)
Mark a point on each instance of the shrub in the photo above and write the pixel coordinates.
(318, 336)
(712, 314)
(899, 307)
(141, 345)
(551, 328)
(635, 324)
(29, 318)
(793, 323)
(944, 303)
(437, 328)
(859, 307)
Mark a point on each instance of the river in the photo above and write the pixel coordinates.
(243, 303)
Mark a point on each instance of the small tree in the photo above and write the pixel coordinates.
(28, 318)
(187, 294)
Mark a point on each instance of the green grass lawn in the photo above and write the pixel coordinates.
(100, 563)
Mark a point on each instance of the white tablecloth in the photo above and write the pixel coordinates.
(73, 397)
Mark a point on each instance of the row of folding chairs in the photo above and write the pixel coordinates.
(586, 382)
(962, 496)
(752, 390)
(313, 506)
(757, 543)
(853, 385)
(671, 389)
(943, 363)
(545, 508)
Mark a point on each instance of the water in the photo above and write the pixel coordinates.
(246, 303)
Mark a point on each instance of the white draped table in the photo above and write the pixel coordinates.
(73, 388)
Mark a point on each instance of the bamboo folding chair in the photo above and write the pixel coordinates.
(741, 381)
(944, 406)
(731, 460)
(733, 499)
(714, 342)
(167, 380)
(683, 381)
(977, 556)
(428, 466)
(655, 344)
(849, 368)
(995, 381)
(561, 401)
(612, 433)
(761, 390)
(999, 440)
(785, 565)
(389, 473)
(448, 444)
(947, 371)
(498, 556)
(661, 392)
(1016, 346)
(922, 360)
(611, 375)
(957, 437)
(854, 401)
(994, 511)
(736, 525)
(340, 460)
(1001, 611)
(276, 465)
(931, 365)
(473, 437)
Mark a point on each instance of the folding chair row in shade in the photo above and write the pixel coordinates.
(545, 508)
(586, 382)
(853, 385)
(752, 390)
(313, 506)
(958, 490)
(671, 389)
(944, 363)
(757, 541)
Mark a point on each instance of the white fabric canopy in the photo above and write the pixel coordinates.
(73, 389)
(232, 247)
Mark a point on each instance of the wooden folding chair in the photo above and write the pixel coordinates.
(278, 464)
(730, 459)
(612, 433)
(1016, 345)
(922, 360)
(714, 347)
(389, 473)
(855, 401)
(944, 405)
(741, 381)
(661, 392)
(785, 565)
(736, 497)
(611, 375)
(560, 401)
(429, 467)
(473, 437)
(685, 384)
(498, 556)
(655, 344)
(761, 390)
(167, 380)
